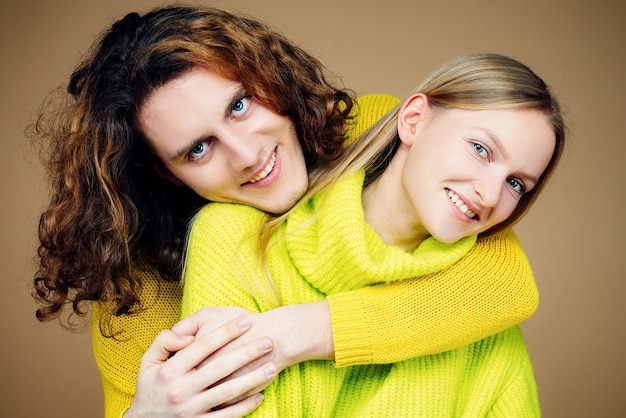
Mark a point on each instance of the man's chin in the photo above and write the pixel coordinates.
(278, 209)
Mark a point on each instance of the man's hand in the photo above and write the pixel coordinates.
(299, 332)
(176, 385)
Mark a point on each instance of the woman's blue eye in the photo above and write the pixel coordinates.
(240, 106)
(517, 185)
(480, 149)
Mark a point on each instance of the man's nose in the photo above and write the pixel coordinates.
(243, 152)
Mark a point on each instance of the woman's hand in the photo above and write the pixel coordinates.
(177, 385)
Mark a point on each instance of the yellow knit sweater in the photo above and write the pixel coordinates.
(476, 297)
(338, 252)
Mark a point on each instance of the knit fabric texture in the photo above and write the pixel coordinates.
(478, 296)
(118, 357)
(335, 252)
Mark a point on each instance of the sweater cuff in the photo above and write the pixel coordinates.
(351, 337)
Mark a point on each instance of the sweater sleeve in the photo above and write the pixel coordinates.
(119, 342)
(221, 267)
(489, 290)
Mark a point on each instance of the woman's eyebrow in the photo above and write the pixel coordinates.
(498, 144)
(496, 140)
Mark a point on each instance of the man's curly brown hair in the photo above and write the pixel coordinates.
(108, 207)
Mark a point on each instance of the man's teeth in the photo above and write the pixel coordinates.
(459, 204)
(266, 171)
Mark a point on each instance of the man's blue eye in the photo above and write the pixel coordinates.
(198, 151)
(240, 106)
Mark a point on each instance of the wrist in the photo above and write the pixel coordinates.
(309, 335)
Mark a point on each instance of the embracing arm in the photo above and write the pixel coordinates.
(489, 290)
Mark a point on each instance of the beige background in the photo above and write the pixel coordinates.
(574, 237)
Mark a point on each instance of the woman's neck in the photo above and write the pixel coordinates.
(387, 210)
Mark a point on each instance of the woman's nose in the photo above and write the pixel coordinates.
(489, 190)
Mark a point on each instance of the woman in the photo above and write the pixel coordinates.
(466, 154)
(114, 229)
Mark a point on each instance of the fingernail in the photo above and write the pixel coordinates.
(259, 398)
(270, 369)
(243, 322)
(265, 344)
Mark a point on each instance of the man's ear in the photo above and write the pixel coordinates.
(411, 113)
(166, 174)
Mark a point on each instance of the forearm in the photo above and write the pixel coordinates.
(302, 332)
(489, 290)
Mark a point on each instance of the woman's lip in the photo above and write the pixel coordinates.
(463, 205)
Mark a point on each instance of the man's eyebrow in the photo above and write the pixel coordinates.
(186, 149)
(496, 140)
(234, 98)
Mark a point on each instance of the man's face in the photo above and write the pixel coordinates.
(216, 139)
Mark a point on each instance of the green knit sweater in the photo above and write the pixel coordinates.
(337, 251)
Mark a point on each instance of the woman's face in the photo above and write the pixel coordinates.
(216, 139)
(466, 170)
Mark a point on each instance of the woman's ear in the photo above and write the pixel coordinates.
(164, 173)
(411, 114)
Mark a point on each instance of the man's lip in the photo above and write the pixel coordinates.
(262, 167)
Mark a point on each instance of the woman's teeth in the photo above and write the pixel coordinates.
(459, 204)
(266, 171)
